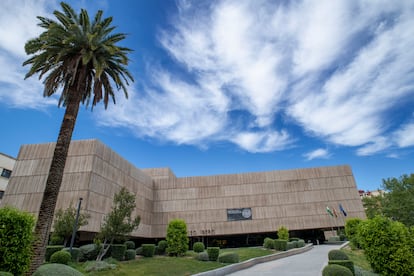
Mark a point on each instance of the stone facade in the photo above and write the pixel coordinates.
(211, 205)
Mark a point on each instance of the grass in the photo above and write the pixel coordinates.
(357, 257)
(163, 265)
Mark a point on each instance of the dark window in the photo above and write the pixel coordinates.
(6, 173)
(1, 194)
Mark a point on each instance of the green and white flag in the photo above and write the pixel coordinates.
(329, 211)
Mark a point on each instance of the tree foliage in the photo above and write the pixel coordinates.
(283, 233)
(398, 202)
(373, 205)
(351, 231)
(64, 221)
(177, 237)
(16, 237)
(388, 246)
(119, 222)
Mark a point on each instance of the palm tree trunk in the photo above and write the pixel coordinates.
(54, 180)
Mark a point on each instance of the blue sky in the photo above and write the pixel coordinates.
(236, 86)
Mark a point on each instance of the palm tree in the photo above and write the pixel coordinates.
(82, 58)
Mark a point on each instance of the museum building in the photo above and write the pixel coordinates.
(213, 206)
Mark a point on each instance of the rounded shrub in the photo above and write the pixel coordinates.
(301, 243)
(337, 254)
(148, 250)
(283, 233)
(213, 253)
(50, 249)
(118, 251)
(290, 245)
(16, 238)
(351, 231)
(61, 257)
(130, 254)
(268, 243)
(75, 253)
(130, 244)
(89, 252)
(177, 237)
(162, 247)
(228, 258)
(203, 256)
(336, 270)
(138, 251)
(56, 270)
(198, 247)
(4, 273)
(346, 263)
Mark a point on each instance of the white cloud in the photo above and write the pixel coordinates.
(405, 136)
(318, 153)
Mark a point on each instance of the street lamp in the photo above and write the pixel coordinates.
(75, 226)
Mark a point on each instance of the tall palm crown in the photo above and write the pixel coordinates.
(81, 57)
(76, 52)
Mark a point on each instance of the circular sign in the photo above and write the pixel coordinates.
(247, 213)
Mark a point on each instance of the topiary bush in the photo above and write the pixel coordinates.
(177, 237)
(203, 256)
(130, 244)
(130, 254)
(75, 253)
(346, 263)
(337, 254)
(198, 247)
(50, 249)
(61, 257)
(138, 251)
(290, 245)
(351, 228)
(56, 270)
(283, 233)
(336, 270)
(89, 252)
(118, 251)
(162, 247)
(301, 243)
(213, 253)
(148, 250)
(268, 243)
(228, 258)
(280, 245)
(16, 238)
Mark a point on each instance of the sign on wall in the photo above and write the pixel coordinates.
(239, 214)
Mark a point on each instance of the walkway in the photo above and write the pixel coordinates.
(309, 263)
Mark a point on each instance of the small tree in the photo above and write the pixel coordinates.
(119, 222)
(351, 228)
(64, 221)
(177, 237)
(283, 233)
(16, 237)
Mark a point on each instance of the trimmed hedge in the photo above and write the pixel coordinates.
(118, 251)
(290, 245)
(337, 254)
(162, 247)
(203, 256)
(228, 258)
(346, 263)
(50, 249)
(130, 244)
(336, 270)
(61, 257)
(148, 250)
(213, 253)
(56, 270)
(301, 243)
(130, 254)
(283, 233)
(198, 247)
(268, 243)
(75, 253)
(280, 245)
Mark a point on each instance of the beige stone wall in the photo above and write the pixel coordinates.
(296, 199)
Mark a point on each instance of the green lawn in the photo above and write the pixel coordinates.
(163, 265)
(357, 257)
